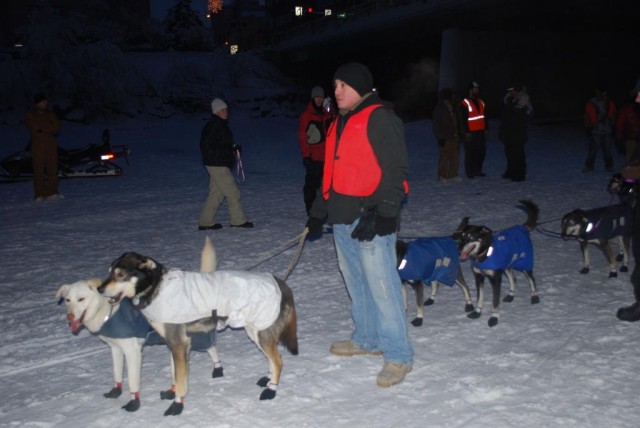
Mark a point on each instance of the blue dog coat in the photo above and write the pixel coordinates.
(512, 248)
(431, 259)
(126, 322)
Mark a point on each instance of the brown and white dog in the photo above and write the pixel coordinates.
(493, 254)
(599, 227)
(126, 331)
(173, 300)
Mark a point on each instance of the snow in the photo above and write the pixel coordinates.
(567, 361)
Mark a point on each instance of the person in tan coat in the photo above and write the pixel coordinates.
(43, 125)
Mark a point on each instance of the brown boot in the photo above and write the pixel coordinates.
(346, 348)
(392, 374)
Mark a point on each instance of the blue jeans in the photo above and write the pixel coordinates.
(372, 280)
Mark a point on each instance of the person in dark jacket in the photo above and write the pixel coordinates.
(219, 155)
(363, 186)
(628, 125)
(445, 128)
(312, 130)
(631, 171)
(43, 125)
(513, 131)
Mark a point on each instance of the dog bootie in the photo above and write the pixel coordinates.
(392, 374)
(629, 313)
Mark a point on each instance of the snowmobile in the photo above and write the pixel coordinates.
(94, 160)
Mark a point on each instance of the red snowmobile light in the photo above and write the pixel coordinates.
(107, 156)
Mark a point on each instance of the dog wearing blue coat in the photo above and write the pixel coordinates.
(432, 261)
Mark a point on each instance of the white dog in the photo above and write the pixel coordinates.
(126, 331)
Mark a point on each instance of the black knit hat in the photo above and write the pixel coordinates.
(355, 75)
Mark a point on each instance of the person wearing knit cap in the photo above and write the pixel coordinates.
(474, 128)
(43, 124)
(312, 129)
(218, 156)
(363, 186)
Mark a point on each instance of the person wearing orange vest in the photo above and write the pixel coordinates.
(599, 120)
(474, 128)
(312, 130)
(363, 186)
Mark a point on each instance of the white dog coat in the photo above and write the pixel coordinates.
(246, 298)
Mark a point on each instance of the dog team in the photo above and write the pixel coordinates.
(143, 302)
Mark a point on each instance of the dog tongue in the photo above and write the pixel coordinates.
(75, 325)
(464, 255)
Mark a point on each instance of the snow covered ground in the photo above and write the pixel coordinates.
(565, 362)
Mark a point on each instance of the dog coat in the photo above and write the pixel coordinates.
(512, 248)
(609, 221)
(431, 259)
(245, 298)
(126, 322)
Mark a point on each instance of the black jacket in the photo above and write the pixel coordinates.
(513, 128)
(216, 143)
(386, 135)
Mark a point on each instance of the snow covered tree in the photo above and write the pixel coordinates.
(185, 29)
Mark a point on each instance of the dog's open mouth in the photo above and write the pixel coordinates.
(468, 250)
(76, 324)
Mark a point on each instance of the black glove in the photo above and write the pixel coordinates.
(306, 162)
(441, 143)
(315, 229)
(386, 225)
(366, 228)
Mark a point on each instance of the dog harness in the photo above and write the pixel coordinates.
(245, 298)
(512, 248)
(431, 259)
(608, 221)
(126, 322)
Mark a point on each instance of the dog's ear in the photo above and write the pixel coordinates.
(62, 291)
(147, 263)
(457, 234)
(94, 283)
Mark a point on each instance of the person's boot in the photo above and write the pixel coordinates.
(629, 313)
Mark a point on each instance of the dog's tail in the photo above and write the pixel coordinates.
(288, 318)
(533, 213)
(208, 260)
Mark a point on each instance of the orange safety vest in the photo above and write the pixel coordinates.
(352, 168)
(476, 115)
